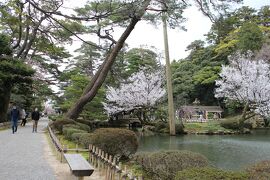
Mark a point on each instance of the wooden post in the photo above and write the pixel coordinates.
(77, 148)
(120, 170)
(89, 153)
(110, 167)
(125, 172)
(64, 150)
(106, 166)
(114, 168)
(103, 160)
(99, 159)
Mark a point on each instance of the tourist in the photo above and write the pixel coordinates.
(35, 117)
(14, 114)
(23, 116)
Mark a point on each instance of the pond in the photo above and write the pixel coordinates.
(231, 152)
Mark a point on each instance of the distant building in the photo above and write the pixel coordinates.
(197, 113)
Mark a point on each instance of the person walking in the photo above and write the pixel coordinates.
(23, 115)
(35, 117)
(15, 114)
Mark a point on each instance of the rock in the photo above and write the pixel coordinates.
(246, 131)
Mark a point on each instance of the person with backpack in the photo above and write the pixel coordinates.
(35, 117)
(15, 114)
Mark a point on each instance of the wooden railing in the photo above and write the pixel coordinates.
(108, 165)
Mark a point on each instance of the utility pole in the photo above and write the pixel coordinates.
(168, 76)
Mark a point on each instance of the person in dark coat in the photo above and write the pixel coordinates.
(35, 117)
(15, 114)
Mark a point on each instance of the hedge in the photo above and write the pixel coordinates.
(260, 171)
(77, 137)
(68, 131)
(121, 143)
(165, 164)
(234, 124)
(163, 127)
(209, 173)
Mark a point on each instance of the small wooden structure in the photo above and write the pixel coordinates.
(199, 113)
(78, 165)
(124, 118)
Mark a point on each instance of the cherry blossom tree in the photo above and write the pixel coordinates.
(141, 91)
(246, 80)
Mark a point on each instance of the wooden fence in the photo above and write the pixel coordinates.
(106, 164)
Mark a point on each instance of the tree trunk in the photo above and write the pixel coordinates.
(243, 116)
(4, 99)
(96, 82)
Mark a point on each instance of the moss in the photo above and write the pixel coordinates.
(208, 173)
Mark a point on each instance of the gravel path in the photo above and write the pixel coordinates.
(22, 154)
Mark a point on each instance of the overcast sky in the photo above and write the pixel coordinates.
(197, 25)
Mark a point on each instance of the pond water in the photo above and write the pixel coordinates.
(231, 152)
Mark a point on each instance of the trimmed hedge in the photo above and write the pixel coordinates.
(77, 137)
(260, 171)
(163, 127)
(165, 164)
(208, 173)
(83, 127)
(230, 124)
(234, 124)
(121, 143)
(85, 139)
(69, 131)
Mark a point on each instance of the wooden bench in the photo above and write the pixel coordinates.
(78, 165)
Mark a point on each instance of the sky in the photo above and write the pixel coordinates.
(147, 35)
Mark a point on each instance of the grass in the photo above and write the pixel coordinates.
(213, 126)
(72, 145)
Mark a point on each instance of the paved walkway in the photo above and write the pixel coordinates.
(22, 155)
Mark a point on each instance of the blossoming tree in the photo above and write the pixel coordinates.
(247, 81)
(141, 92)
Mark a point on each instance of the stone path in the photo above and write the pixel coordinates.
(28, 156)
(22, 154)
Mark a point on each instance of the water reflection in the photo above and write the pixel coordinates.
(228, 152)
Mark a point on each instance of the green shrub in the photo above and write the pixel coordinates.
(121, 143)
(76, 137)
(58, 124)
(230, 124)
(208, 173)
(165, 164)
(163, 127)
(159, 126)
(83, 126)
(85, 139)
(68, 131)
(260, 171)
(234, 124)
